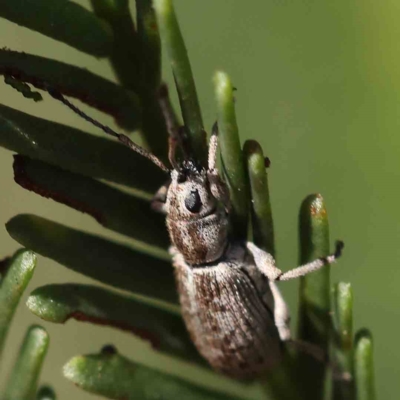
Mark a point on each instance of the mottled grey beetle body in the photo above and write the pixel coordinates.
(231, 305)
(227, 304)
(228, 311)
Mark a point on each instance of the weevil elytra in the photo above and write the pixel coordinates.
(232, 307)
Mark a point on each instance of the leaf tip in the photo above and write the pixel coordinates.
(364, 340)
(72, 368)
(222, 83)
(315, 205)
(39, 334)
(254, 155)
(28, 259)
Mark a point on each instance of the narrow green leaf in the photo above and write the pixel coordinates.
(112, 208)
(120, 378)
(150, 44)
(161, 324)
(364, 366)
(175, 46)
(62, 20)
(314, 308)
(23, 381)
(261, 214)
(15, 276)
(76, 151)
(343, 389)
(46, 393)
(130, 60)
(76, 82)
(231, 154)
(125, 56)
(108, 262)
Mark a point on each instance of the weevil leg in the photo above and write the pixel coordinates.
(218, 188)
(313, 265)
(266, 263)
(281, 313)
(158, 202)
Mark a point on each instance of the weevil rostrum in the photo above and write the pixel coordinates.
(231, 304)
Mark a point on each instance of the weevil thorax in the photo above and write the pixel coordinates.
(197, 223)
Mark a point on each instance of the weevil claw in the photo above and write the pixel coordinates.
(339, 246)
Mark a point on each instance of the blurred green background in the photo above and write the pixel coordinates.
(318, 84)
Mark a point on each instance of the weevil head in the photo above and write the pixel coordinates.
(197, 223)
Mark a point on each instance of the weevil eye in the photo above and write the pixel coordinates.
(193, 201)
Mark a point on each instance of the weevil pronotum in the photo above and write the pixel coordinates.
(230, 301)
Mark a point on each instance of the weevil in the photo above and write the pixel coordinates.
(231, 304)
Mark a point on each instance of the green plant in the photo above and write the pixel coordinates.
(64, 164)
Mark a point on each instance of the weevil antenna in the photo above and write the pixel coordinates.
(120, 136)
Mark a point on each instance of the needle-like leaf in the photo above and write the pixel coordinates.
(179, 60)
(108, 262)
(137, 54)
(231, 154)
(125, 53)
(343, 389)
(76, 151)
(111, 207)
(62, 20)
(364, 366)
(159, 323)
(98, 92)
(150, 44)
(261, 214)
(120, 378)
(314, 308)
(15, 274)
(24, 377)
